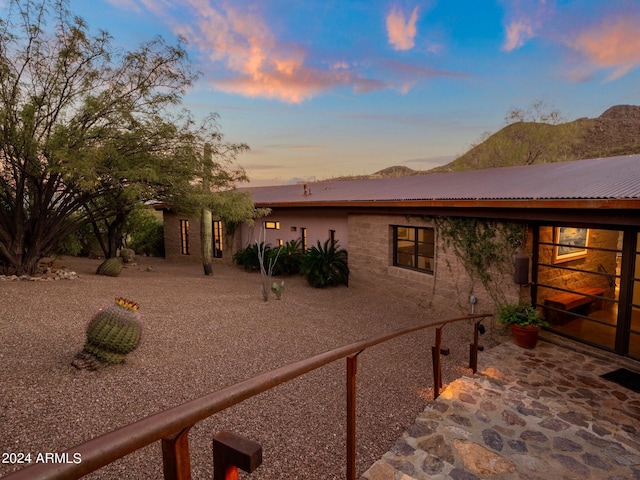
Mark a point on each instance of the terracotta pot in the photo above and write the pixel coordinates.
(525, 337)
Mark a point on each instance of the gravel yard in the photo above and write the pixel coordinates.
(201, 334)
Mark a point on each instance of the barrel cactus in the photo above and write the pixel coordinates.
(111, 334)
(128, 255)
(110, 267)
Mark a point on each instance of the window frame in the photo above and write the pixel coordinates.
(184, 236)
(416, 248)
(217, 238)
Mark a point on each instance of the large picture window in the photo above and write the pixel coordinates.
(413, 247)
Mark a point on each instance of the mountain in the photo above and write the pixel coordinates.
(395, 171)
(615, 132)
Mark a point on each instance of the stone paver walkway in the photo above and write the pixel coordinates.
(527, 414)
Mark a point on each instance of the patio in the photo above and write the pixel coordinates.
(527, 414)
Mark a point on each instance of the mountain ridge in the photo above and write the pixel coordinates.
(615, 132)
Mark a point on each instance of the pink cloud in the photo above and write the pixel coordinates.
(614, 44)
(400, 30)
(517, 32)
(296, 86)
(259, 65)
(242, 55)
(524, 19)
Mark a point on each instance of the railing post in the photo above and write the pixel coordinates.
(437, 365)
(352, 370)
(473, 348)
(232, 451)
(176, 462)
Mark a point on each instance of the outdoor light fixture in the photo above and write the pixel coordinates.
(521, 272)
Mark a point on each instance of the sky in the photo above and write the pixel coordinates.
(325, 88)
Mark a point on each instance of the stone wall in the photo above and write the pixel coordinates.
(446, 292)
(172, 240)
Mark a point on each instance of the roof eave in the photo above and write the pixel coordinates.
(607, 203)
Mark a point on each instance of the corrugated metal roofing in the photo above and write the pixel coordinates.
(599, 178)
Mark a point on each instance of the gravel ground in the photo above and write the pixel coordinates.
(201, 334)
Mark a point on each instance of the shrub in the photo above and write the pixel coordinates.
(82, 242)
(146, 234)
(248, 257)
(325, 265)
(289, 258)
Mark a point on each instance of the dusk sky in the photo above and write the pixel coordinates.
(322, 88)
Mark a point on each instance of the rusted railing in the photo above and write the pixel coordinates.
(172, 426)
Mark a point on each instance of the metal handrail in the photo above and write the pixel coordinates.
(171, 426)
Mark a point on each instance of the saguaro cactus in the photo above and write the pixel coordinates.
(111, 334)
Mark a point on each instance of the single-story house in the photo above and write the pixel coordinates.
(579, 259)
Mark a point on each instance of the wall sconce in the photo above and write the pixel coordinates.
(521, 273)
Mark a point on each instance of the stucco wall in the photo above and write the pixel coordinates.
(368, 238)
(445, 292)
(318, 222)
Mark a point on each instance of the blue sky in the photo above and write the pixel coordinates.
(321, 88)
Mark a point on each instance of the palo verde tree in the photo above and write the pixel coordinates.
(194, 168)
(86, 130)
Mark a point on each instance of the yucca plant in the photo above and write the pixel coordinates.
(325, 265)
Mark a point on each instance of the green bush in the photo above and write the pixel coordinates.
(80, 243)
(70, 245)
(325, 265)
(289, 258)
(248, 257)
(146, 234)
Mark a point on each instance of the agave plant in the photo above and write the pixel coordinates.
(325, 265)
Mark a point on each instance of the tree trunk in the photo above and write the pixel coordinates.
(206, 237)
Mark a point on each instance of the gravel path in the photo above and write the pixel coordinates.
(201, 334)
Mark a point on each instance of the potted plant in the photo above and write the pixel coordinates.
(525, 322)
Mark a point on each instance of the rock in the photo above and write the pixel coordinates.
(480, 461)
(380, 471)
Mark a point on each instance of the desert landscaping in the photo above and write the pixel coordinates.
(202, 333)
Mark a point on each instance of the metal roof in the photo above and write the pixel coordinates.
(594, 179)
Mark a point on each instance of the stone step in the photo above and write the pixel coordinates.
(528, 420)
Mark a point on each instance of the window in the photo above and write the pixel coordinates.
(184, 237)
(332, 236)
(413, 247)
(303, 237)
(272, 225)
(217, 239)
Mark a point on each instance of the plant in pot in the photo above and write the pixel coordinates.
(525, 322)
